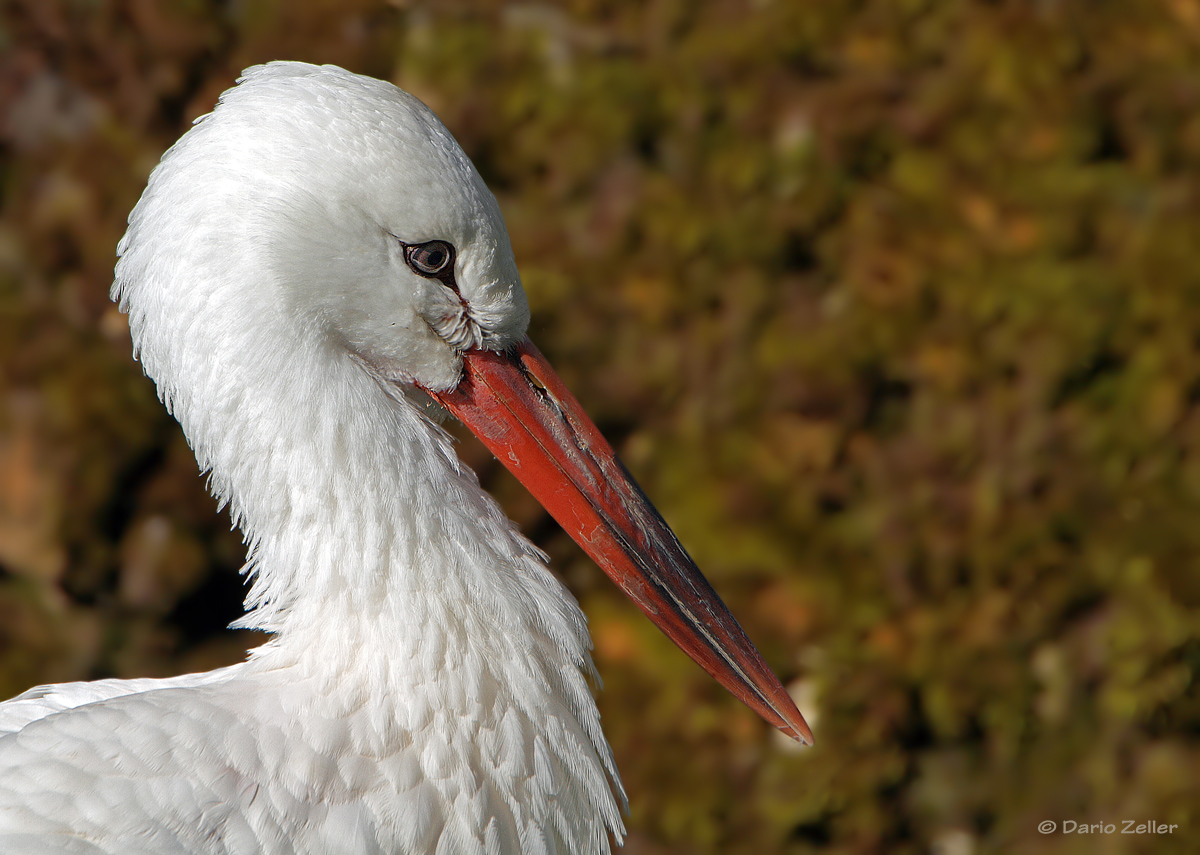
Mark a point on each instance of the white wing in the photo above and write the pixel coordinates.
(89, 768)
(42, 701)
(215, 764)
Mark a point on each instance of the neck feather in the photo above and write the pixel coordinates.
(376, 557)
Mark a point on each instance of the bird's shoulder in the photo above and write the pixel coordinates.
(94, 768)
(43, 701)
(231, 763)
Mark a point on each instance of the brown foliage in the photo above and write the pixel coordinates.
(893, 307)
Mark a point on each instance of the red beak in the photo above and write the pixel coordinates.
(520, 409)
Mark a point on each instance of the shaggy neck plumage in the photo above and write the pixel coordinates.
(388, 576)
(348, 494)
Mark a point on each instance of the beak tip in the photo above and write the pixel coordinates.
(800, 731)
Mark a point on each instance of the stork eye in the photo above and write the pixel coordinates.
(433, 259)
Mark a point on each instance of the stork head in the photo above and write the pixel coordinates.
(405, 260)
(337, 211)
(354, 207)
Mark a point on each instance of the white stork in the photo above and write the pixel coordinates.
(313, 272)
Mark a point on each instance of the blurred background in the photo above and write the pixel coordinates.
(892, 306)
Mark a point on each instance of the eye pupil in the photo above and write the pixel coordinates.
(429, 259)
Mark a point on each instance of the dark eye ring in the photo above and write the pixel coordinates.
(432, 259)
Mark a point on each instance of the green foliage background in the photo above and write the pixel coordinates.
(893, 308)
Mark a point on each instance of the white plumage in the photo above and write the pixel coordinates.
(426, 685)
